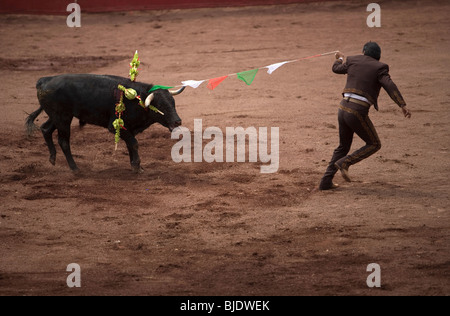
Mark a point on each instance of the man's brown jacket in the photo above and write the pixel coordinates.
(366, 76)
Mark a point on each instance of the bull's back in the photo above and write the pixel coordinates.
(87, 97)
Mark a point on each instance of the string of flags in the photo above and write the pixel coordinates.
(246, 76)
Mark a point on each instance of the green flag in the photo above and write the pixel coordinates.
(248, 76)
(159, 87)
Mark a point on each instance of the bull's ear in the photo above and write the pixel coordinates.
(177, 92)
(149, 100)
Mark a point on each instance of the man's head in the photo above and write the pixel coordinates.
(373, 50)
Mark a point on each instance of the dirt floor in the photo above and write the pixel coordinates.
(225, 228)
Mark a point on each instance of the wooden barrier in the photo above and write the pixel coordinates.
(60, 6)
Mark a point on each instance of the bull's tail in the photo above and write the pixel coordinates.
(29, 124)
(40, 87)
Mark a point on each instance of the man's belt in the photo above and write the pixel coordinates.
(357, 101)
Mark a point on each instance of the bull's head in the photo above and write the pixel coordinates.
(164, 102)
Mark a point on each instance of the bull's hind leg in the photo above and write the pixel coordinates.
(64, 142)
(47, 130)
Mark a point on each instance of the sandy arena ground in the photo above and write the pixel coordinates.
(225, 228)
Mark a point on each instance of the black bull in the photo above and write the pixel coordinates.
(92, 99)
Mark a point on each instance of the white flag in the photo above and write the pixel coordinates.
(192, 83)
(274, 67)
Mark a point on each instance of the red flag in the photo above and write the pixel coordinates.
(213, 83)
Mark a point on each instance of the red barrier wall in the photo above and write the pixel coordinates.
(60, 6)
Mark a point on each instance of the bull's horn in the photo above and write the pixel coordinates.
(174, 93)
(149, 99)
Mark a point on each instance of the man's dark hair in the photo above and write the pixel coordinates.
(372, 49)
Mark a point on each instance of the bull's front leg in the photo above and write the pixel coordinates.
(133, 147)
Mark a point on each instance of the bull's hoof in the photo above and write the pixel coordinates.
(137, 169)
(53, 160)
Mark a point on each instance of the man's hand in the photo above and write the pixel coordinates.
(406, 112)
(339, 55)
